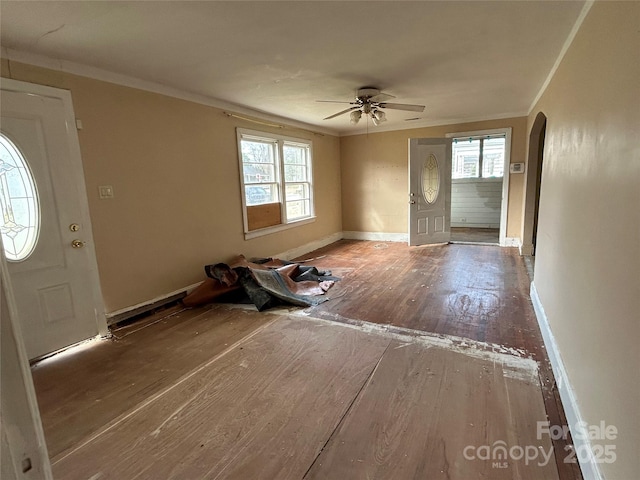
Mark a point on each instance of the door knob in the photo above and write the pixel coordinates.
(77, 243)
(412, 202)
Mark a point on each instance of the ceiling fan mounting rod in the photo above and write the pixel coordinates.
(367, 93)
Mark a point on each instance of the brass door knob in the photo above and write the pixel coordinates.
(77, 243)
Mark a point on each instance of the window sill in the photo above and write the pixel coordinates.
(278, 228)
(477, 179)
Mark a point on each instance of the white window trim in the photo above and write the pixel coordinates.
(243, 133)
(504, 207)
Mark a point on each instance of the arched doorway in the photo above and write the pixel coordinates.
(533, 183)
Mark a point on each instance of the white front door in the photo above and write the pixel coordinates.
(46, 230)
(429, 190)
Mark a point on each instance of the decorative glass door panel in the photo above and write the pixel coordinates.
(20, 222)
(430, 179)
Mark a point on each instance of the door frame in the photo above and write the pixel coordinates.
(504, 206)
(533, 181)
(25, 440)
(77, 175)
(443, 195)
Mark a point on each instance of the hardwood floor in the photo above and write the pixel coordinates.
(469, 291)
(476, 292)
(80, 392)
(222, 392)
(305, 398)
(475, 235)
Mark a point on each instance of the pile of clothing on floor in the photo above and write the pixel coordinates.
(266, 282)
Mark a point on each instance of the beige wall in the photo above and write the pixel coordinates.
(375, 175)
(587, 257)
(173, 165)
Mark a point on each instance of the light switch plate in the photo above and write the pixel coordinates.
(106, 191)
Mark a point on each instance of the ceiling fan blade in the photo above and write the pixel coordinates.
(334, 101)
(403, 106)
(381, 97)
(342, 112)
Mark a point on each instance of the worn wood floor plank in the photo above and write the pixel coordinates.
(472, 292)
(420, 410)
(263, 410)
(80, 393)
(469, 291)
(475, 235)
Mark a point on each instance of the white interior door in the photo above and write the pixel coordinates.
(46, 230)
(429, 190)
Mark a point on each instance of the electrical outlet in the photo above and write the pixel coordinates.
(106, 191)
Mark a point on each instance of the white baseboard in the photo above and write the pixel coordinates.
(148, 303)
(510, 242)
(589, 467)
(377, 236)
(118, 315)
(309, 247)
(403, 237)
(287, 255)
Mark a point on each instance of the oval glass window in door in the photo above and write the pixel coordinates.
(20, 222)
(430, 179)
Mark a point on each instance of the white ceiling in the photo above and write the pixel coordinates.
(463, 60)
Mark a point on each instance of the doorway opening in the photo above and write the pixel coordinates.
(533, 184)
(478, 189)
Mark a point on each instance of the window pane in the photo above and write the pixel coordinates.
(493, 157)
(466, 158)
(295, 173)
(258, 173)
(297, 191)
(257, 152)
(261, 194)
(275, 169)
(20, 220)
(297, 209)
(294, 154)
(430, 179)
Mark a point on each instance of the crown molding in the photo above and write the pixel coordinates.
(430, 123)
(567, 43)
(154, 87)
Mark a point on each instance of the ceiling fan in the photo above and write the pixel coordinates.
(371, 101)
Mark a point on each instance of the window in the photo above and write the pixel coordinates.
(20, 222)
(478, 157)
(276, 181)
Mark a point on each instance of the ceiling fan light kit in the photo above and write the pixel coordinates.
(371, 101)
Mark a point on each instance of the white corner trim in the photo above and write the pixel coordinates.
(567, 43)
(309, 247)
(377, 236)
(187, 289)
(589, 467)
(511, 242)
